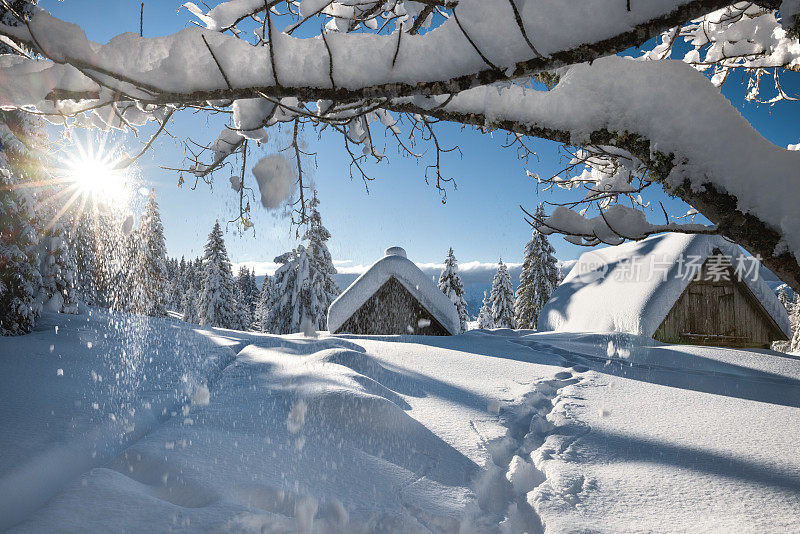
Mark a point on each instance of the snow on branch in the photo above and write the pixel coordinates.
(612, 226)
(486, 44)
(744, 36)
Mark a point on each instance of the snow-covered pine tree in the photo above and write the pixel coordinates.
(182, 284)
(187, 274)
(502, 298)
(304, 282)
(450, 284)
(253, 291)
(197, 276)
(242, 319)
(20, 279)
(58, 268)
(169, 277)
(242, 279)
(123, 280)
(540, 277)
(783, 298)
(110, 260)
(485, 319)
(175, 285)
(19, 274)
(247, 294)
(265, 300)
(794, 320)
(189, 306)
(321, 286)
(57, 264)
(148, 275)
(22, 143)
(287, 309)
(217, 295)
(85, 249)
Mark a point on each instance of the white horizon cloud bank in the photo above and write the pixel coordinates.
(472, 272)
(343, 267)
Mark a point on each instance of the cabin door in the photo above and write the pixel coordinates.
(711, 309)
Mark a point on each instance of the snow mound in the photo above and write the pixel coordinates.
(366, 365)
(394, 265)
(81, 388)
(608, 292)
(292, 442)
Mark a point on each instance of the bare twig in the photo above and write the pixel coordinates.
(478, 50)
(268, 18)
(224, 76)
(397, 48)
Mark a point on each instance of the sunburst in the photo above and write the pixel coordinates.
(87, 176)
(92, 171)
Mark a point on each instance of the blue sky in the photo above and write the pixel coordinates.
(481, 219)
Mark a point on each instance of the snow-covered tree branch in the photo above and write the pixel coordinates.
(480, 44)
(408, 64)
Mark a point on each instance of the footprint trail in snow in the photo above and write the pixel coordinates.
(516, 478)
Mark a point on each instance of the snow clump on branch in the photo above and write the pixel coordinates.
(276, 180)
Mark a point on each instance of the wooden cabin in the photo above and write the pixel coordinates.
(393, 297)
(675, 288)
(737, 317)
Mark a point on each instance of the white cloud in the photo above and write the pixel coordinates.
(350, 269)
(472, 272)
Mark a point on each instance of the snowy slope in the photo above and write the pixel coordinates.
(671, 439)
(483, 432)
(79, 389)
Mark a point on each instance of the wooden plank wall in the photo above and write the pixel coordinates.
(722, 313)
(391, 311)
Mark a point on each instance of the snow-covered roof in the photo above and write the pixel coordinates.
(632, 287)
(394, 265)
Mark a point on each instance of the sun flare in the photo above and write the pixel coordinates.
(95, 176)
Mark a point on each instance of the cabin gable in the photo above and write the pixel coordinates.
(719, 310)
(391, 310)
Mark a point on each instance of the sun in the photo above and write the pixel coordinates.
(95, 175)
(97, 178)
(90, 176)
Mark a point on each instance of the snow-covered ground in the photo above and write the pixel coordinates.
(81, 388)
(483, 432)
